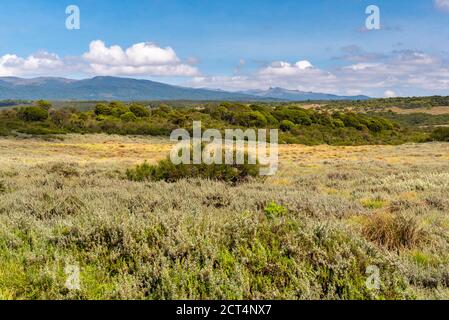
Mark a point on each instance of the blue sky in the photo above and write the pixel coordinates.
(234, 45)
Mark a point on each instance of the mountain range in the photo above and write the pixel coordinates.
(127, 89)
(296, 95)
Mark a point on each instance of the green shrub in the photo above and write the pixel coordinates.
(33, 114)
(118, 109)
(140, 172)
(128, 117)
(102, 109)
(273, 210)
(43, 104)
(251, 119)
(139, 110)
(440, 134)
(167, 171)
(286, 125)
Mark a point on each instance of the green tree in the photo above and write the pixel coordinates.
(102, 109)
(44, 104)
(286, 125)
(139, 110)
(128, 117)
(33, 114)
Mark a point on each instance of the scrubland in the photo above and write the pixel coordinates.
(309, 232)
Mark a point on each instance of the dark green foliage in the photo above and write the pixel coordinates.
(251, 119)
(139, 110)
(128, 117)
(33, 114)
(405, 103)
(140, 172)
(297, 125)
(295, 115)
(167, 171)
(44, 104)
(102, 109)
(440, 134)
(286, 125)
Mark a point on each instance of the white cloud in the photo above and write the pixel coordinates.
(442, 4)
(389, 94)
(406, 71)
(280, 68)
(143, 59)
(36, 64)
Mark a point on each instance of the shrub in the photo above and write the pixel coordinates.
(128, 117)
(167, 171)
(118, 109)
(286, 125)
(33, 114)
(139, 110)
(252, 119)
(140, 172)
(273, 210)
(2, 187)
(295, 115)
(43, 104)
(440, 134)
(102, 109)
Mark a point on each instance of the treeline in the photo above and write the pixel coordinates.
(11, 103)
(297, 125)
(405, 103)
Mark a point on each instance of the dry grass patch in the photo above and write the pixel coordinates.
(394, 231)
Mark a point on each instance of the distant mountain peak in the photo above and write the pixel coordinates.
(297, 95)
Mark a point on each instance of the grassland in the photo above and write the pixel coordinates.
(310, 232)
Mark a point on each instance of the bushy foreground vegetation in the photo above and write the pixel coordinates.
(310, 232)
(297, 125)
(167, 171)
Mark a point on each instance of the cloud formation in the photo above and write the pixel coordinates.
(404, 72)
(36, 64)
(139, 59)
(400, 72)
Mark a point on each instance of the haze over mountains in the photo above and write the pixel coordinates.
(115, 88)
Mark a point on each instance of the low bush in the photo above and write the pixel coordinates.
(440, 134)
(273, 210)
(128, 117)
(286, 125)
(139, 110)
(166, 170)
(33, 114)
